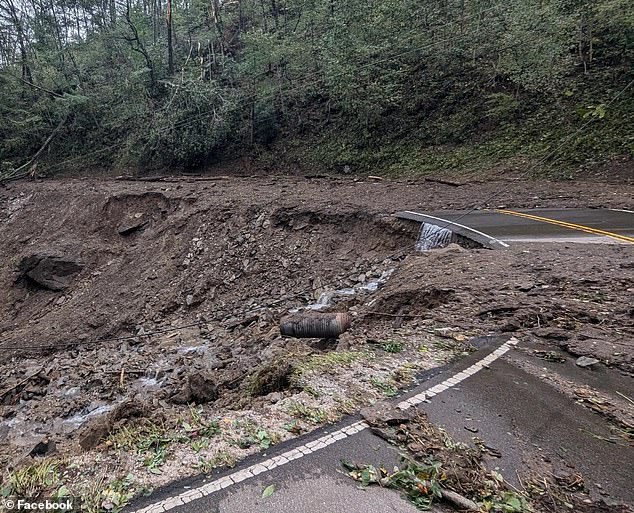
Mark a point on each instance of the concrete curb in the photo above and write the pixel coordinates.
(481, 238)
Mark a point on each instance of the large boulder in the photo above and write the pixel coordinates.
(52, 272)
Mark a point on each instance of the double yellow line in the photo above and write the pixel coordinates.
(572, 226)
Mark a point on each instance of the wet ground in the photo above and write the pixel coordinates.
(127, 301)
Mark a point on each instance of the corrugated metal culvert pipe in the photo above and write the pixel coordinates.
(315, 325)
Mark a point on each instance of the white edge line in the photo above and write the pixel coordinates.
(622, 210)
(319, 443)
(492, 239)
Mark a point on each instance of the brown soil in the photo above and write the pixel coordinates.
(573, 296)
(170, 292)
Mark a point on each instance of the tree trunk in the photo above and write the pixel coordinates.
(22, 43)
(170, 48)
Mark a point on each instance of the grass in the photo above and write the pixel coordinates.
(384, 386)
(148, 440)
(391, 346)
(253, 434)
(198, 427)
(327, 362)
(221, 459)
(152, 440)
(307, 413)
(114, 496)
(457, 144)
(43, 477)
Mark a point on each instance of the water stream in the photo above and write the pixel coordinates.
(432, 237)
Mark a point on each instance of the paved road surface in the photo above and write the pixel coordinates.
(540, 225)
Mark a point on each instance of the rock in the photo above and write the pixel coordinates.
(384, 413)
(586, 361)
(98, 428)
(52, 272)
(46, 446)
(200, 388)
(132, 224)
(526, 286)
(189, 300)
(94, 432)
(275, 397)
(552, 333)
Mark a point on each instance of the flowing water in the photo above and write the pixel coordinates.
(432, 237)
(329, 297)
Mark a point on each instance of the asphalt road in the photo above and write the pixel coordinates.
(514, 412)
(540, 225)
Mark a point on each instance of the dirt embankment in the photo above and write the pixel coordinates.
(576, 297)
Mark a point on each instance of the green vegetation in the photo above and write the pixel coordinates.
(326, 362)
(114, 496)
(386, 387)
(310, 414)
(221, 459)
(423, 484)
(392, 86)
(40, 478)
(151, 441)
(391, 346)
(252, 434)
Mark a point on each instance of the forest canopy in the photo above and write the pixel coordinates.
(396, 84)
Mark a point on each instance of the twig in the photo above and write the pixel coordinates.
(599, 437)
(520, 480)
(458, 500)
(384, 314)
(625, 397)
(25, 380)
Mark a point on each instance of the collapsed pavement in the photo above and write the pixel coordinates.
(106, 350)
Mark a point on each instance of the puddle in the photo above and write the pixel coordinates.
(433, 237)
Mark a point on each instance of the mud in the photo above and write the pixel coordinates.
(576, 297)
(173, 292)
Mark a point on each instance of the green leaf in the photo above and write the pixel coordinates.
(514, 504)
(268, 491)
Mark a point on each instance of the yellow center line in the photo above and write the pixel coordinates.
(572, 226)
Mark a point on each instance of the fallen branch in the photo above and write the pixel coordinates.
(25, 169)
(444, 182)
(458, 500)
